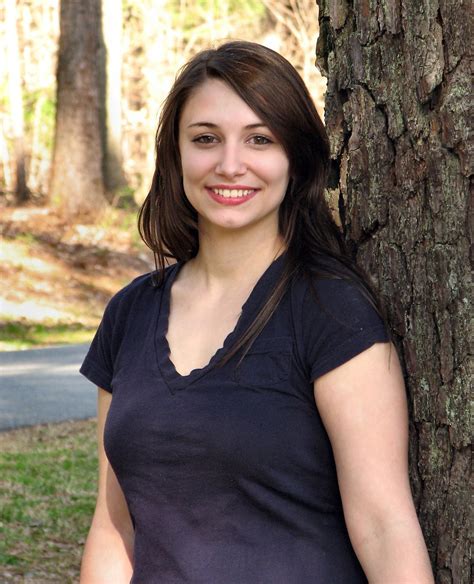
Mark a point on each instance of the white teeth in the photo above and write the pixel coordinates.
(232, 193)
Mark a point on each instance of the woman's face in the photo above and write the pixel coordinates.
(235, 173)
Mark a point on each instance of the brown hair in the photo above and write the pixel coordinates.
(274, 90)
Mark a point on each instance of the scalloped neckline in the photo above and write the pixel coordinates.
(258, 294)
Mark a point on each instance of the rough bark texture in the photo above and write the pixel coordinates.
(396, 112)
(77, 183)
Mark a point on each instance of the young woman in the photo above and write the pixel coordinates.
(254, 409)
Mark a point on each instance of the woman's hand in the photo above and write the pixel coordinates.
(108, 551)
(363, 407)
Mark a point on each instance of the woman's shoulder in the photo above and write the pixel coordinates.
(335, 318)
(346, 300)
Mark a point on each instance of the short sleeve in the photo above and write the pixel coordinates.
(337, 323)
(98, 363)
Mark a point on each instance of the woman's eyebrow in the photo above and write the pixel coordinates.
(207, 124)
(212, 125)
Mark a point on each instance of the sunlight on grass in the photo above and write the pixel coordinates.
(31, 310)
(19, 255)
(16, 336)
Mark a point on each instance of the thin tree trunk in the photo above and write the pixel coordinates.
(398, 93)
(112, 27)
(77, 178)
(15, 95)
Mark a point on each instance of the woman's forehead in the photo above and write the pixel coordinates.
(214, 103)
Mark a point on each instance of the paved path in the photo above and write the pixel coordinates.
(44, 385)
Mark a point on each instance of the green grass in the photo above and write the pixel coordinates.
(47, 496)
(16, 335)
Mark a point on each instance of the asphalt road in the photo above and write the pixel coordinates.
(44, 385)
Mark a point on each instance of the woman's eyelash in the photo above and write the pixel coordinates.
(261, 140)
(204, 139)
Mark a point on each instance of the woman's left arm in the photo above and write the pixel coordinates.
(363, 406)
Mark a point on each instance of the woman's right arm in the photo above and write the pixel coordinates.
(108, 553)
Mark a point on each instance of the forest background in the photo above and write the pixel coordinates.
(397, 103)
(146, 42)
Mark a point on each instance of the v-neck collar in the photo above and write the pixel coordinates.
(250, 308)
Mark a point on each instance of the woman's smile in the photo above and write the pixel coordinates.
(231, 194)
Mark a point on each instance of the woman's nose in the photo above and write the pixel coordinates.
(231, 162)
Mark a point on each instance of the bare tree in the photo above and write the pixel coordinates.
(77, 171)
(112, 27)
(396, 112)
(15, 95)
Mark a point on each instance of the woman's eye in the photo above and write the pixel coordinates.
(205, 139)
(260, 140)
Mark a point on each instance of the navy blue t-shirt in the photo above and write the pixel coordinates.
(228, 472)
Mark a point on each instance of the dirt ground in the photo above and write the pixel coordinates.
(55, 272)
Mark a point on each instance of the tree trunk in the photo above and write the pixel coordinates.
(398, 93)
(77, 178)
(113, 171)
(15, 95)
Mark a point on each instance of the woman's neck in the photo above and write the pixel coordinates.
(234, 257)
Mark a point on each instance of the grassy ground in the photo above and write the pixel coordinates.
(23, 335)
(47, 496)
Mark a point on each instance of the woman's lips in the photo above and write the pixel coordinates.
(231, 196)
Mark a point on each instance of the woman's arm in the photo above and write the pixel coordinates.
(108, 551)
(363, 406)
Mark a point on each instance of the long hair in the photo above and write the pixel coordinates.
(274, 90)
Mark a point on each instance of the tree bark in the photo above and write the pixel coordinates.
(396, 109)
(77, 172)
(15, 95)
